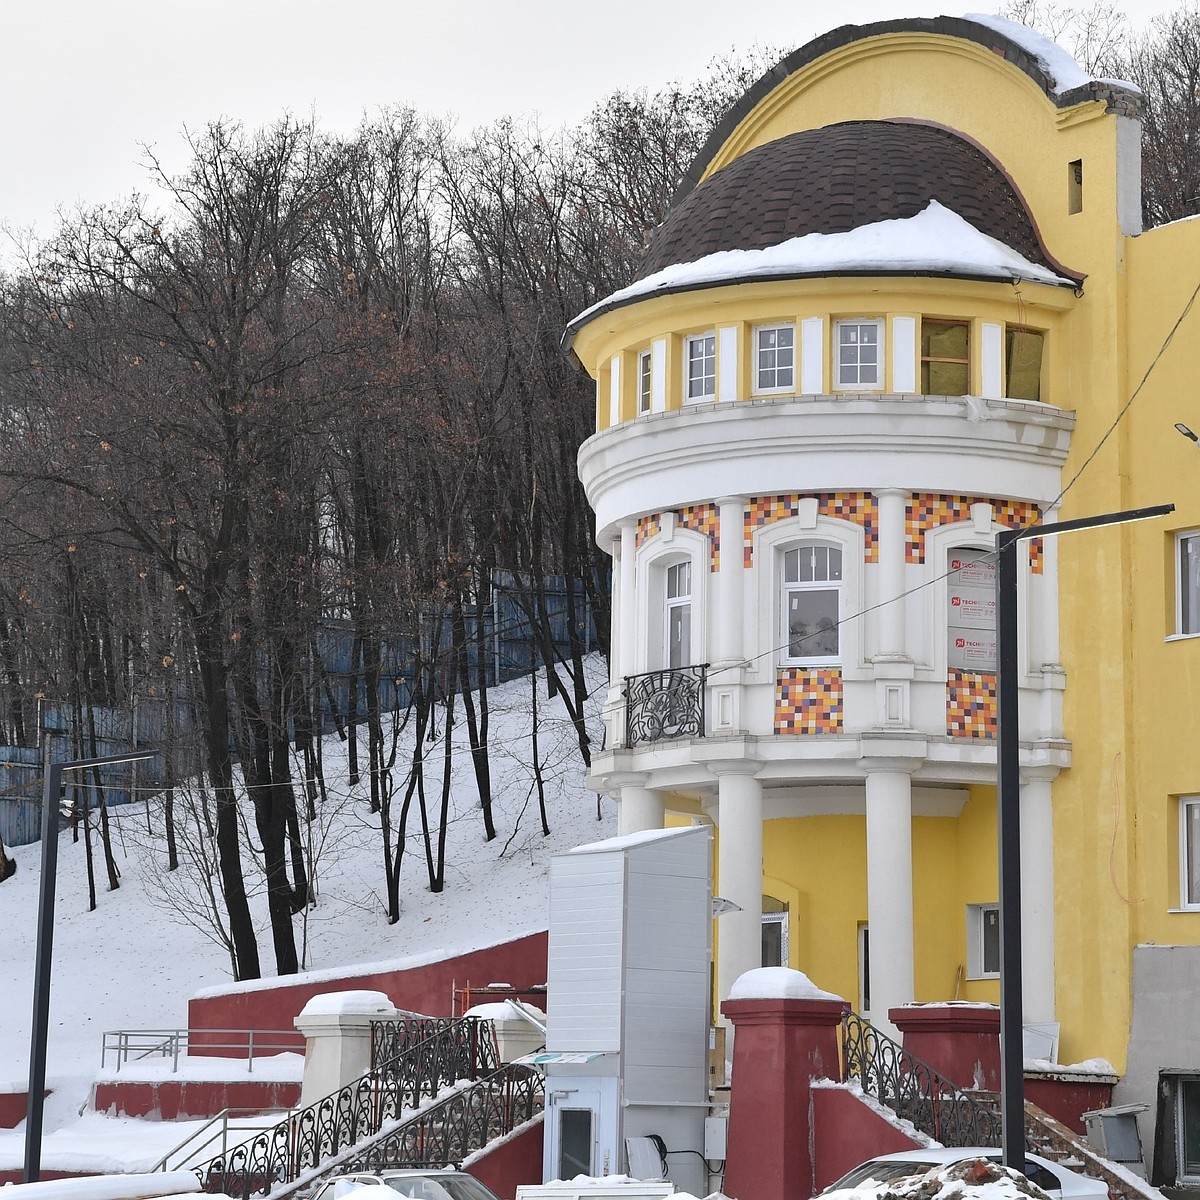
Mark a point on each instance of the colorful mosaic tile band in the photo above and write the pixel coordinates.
(860, 508)
(703, 518)
(808, 700)
(970, 704)
(648, 527)
(928, 510)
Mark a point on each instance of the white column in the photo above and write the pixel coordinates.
(731, 581)
(889, 890)
(640, 808)
(1037, 897)
(614, 617)
(739, 876)
(627, 642)
(892, 541)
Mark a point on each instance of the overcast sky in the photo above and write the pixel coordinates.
(84, 83)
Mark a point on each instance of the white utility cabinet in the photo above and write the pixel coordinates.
(629, 1003)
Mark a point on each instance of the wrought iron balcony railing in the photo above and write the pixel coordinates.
(665, 704)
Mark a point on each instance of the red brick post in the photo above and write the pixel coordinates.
(780, 1045)
(960, 1041)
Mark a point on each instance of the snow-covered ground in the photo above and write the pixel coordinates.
(134, 961)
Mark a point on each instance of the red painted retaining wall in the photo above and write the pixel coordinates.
(426, 989)
(177, 1099)
(14, 1106)
(516, 1161)
(846, 1132)
(1066, 1098)
(960, 1041)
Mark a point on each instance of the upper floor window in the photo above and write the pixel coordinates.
(1189, 852)
(775, 358)
(1187, 583)
(812, 586)
(677, 630)
(643, 382)
(1023, 364)
(945, 364)
(858, 355)
(701, 356)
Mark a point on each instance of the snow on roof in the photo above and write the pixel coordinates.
(625, 841)
(777, 983)
(331, 1004)
(936, 241)
(1063, 72)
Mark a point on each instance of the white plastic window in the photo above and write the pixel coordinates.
(858, 355)
(775, 358)
(701, 382)
(1189, 852)
(1187, 583)
(678, 628)
(983, 941)
(644, 378)
(812, 588)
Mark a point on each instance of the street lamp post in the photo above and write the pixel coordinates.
(1008, 787)
(51, 788)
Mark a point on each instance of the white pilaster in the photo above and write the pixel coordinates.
(1037, 898)
(739, 876)
(731, 580)
(892, 545)
(889, 890)
(627, 641)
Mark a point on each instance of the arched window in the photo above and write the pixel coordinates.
(811, 603)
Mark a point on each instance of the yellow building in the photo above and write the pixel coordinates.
(904, 301)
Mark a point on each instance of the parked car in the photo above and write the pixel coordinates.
(419, 1184)
(1060, 1183)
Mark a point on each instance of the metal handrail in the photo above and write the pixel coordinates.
(437, 1055)
(176, 1160)
(913, 1089)
(134, 1045)
(665, 704)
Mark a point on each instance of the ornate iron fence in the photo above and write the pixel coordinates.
(444, 1134)
(665, 704)
(913, 1089)
(430, 1055)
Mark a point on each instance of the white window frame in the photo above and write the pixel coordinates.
(780, 919)
(880, 362)
(673, 544)
(1189, 838)
(673, 604)
(778, 388)
(1183, 1178)
(786, 589)
(1187, 624)
(976, 938)
(707, 344)
(645, 382)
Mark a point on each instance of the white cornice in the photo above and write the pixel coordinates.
(959, 445)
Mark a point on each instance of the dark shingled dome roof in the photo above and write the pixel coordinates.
(835, 179)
